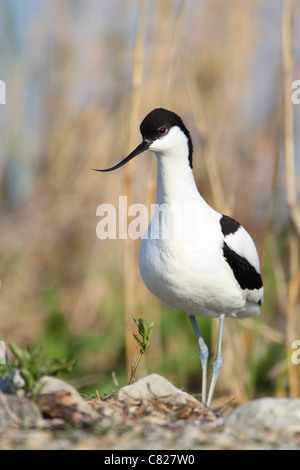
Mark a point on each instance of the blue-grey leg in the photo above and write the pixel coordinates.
(216, 365)
(203, 354)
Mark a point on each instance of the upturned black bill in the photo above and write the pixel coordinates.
(141, 148)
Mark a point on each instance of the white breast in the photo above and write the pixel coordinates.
(189, 272)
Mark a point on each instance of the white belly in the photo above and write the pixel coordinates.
(192, 275)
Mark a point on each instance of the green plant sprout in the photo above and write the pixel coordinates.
(33, 364)
(145, 331)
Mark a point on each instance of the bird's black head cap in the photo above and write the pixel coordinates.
(158, 122)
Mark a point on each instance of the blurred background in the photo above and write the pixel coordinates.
(80, 76)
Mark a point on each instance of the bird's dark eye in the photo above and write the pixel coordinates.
(162, 130)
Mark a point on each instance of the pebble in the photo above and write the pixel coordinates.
(18, 412)
(280, 415)
(154, 386)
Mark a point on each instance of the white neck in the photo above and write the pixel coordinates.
(175, 179)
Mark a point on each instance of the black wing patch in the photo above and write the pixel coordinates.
(245, 274)
(228, 225)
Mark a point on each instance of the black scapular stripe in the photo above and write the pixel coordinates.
(228, 225)
(245, 274)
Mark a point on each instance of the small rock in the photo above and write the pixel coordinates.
(12, 382)
(58, 399)
(271, 414)
(155, 386)
(18, 412)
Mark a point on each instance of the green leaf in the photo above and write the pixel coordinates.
(136, 321)
(28, 377)
(138, 340)
(142, 327)
(144, 330)
(37, 350)
(18, 352)
(60, 365)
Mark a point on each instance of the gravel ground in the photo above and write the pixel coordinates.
(150, 415)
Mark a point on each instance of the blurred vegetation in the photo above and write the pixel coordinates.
(33, 364)
(80, 76)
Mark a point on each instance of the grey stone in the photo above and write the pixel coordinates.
(266, 414)
(18, 412)
(52, 385)
(154, 386)
(12, 382)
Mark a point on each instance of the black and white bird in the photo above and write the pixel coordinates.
(192, 257)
